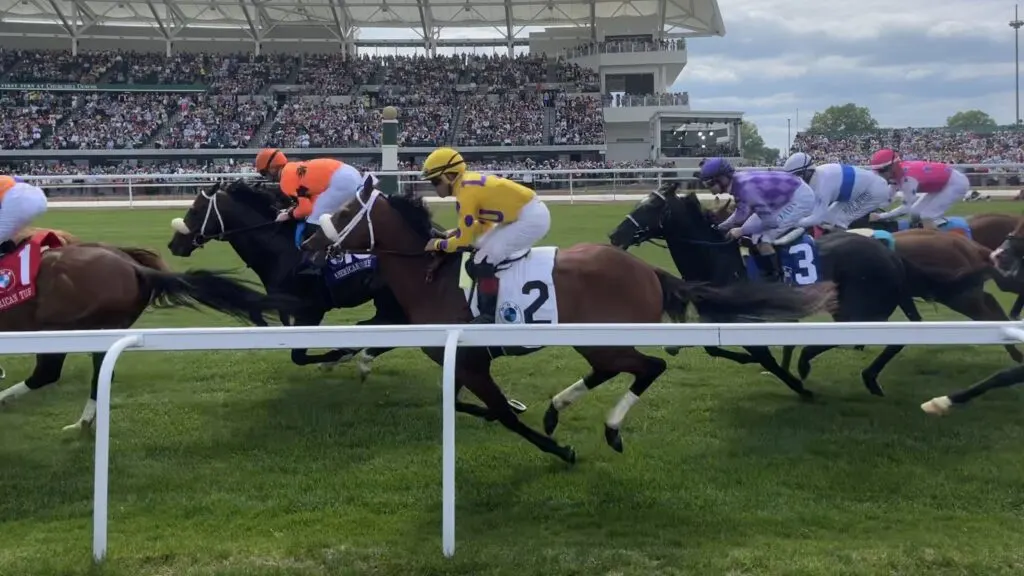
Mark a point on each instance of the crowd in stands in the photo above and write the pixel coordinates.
(998, 146)
(186, 100)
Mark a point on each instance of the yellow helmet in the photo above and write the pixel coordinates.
(443, 161)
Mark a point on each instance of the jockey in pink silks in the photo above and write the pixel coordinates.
(929, 188)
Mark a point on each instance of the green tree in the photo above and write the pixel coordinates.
(843, 119)
(754, 148)
(970, 119)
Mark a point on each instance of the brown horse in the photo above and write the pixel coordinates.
(93, 286)
(990, 230)
(594, 283)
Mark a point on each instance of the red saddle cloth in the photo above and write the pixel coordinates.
(19, 268)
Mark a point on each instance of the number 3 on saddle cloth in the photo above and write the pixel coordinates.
(18, 269)
(797, 260)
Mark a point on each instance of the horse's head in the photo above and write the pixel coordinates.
(1009, 257)
(662, 212)
(372, 221)
(218, 212)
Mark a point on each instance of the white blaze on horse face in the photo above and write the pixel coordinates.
(328, 227)
(179, 226)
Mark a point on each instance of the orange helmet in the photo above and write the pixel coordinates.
(270, 158)
(290, 176)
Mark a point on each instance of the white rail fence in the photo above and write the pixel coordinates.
(563, 185)
(450, 337)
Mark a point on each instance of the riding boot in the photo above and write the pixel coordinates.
(766, 264)
(311, 263)
(486, 292)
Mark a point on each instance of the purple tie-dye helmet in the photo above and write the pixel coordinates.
(712, 168)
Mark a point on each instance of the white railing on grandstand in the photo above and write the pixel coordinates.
(114, 342)
(570, 185)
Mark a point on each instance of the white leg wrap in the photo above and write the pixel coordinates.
(89, 412)
(618, 414)
(12, 393)
(571, 394)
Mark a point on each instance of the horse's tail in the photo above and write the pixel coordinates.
(746, 300)
(216, 290)
(146, 257)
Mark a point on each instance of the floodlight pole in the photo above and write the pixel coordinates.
(1016, 24)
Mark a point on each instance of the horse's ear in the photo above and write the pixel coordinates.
(672, 188)
(367, 187)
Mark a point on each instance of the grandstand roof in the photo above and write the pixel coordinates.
(260, 17)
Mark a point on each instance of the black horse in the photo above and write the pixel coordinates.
(244, 218)
(871, 280)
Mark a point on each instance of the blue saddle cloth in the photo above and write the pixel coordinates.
(952, 224)
(798, 262)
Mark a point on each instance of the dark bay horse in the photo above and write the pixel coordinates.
(595, 283)
(871, 281)
(93, 286)
(989, 229)
(244, 218)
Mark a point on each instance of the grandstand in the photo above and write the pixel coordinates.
(202, 84)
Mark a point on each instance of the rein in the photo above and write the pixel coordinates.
(336, 237)
(640, 230)
(212, 209)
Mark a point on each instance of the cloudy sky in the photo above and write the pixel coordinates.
(912, 62)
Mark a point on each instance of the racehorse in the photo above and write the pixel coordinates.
(989, 229)
(870, 280)
(93, 286)
(244, 217)
(586, 283)
(26, 233)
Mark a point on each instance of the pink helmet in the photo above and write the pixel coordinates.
(883, 159)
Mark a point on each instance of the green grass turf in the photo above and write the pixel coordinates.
(241, 463)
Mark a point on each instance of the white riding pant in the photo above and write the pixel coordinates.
(933, 206)
(19, 206)
(789, 216)
(841, 214)
(345, 183)
(503, 240)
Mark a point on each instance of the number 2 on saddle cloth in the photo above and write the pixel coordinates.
(18, 269)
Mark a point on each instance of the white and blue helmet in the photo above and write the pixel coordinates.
(798, 162)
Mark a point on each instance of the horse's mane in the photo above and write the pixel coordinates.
(413, 209)
(263, 202)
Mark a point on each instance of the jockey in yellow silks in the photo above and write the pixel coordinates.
(498, 216)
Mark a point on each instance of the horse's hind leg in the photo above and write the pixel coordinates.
(566, 397)
(941, 405)
(977, 304)
(1018, 305)
(85, 422)
(870, 374)
(763, 355)
(47, 371)
(645, 370)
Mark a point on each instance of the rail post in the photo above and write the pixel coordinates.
(102, 471)
(451, 348)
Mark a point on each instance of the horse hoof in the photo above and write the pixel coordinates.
(550, 420)
(806, 395)
(804, 368)
(672, 350)
(82, 427)
(569, 455)
(516, 406)
(872, 385)
(613, 438)
(937, 406)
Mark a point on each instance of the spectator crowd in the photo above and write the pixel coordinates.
(118, 99)
(998, 146)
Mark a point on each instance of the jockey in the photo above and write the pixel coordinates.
(320, 186)
(499, 216)
(269, 163)
(929, 188)
(768, 205)
(844, 193)
(20, 203)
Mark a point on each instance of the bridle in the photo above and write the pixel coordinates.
(200, 238)
(365, 212)
(642, 233)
